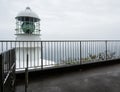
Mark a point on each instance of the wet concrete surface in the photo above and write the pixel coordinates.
(102, 79)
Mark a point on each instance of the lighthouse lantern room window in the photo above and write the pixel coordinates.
(27, 22)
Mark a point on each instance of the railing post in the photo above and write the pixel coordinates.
(1, 69)
(14, 61)
(1, 73)
(26, 75)
(106, 49)
(41, 55)
(80, 54)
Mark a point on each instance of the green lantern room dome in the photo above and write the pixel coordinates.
(27, 13)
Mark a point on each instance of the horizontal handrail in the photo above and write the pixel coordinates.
(57, 40)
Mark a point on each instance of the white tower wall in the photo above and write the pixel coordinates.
(27, 37)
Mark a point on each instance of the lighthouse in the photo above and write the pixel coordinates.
(28, 41)
(27, 25)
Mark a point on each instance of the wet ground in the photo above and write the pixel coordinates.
(102, 79)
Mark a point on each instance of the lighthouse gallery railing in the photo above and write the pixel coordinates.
(44, 54)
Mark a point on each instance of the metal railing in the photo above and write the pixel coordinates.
(7, 71)
(43, 54)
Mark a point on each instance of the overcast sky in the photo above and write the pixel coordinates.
(65, 19)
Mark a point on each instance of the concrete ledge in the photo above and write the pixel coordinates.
(64, 69)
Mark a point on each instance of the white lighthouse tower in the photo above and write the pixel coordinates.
(28, 40)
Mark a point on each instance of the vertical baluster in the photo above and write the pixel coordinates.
(41, 55)
(106, 49)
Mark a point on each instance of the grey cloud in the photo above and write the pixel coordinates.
(67, 19)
